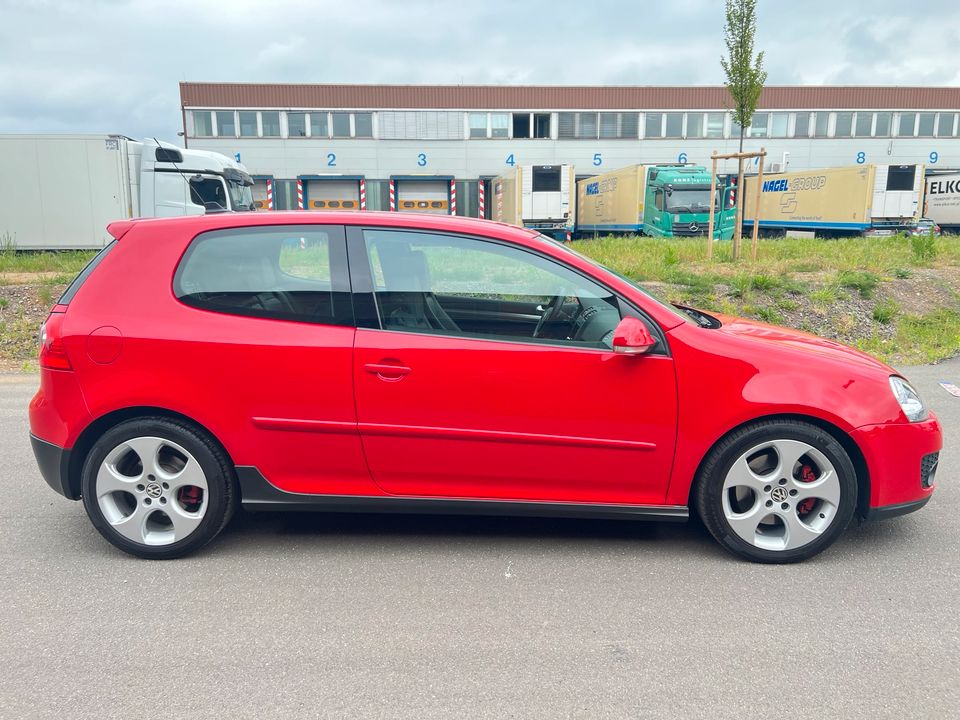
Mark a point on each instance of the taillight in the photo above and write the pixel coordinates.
(53, 353)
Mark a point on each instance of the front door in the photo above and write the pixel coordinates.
(489, 374)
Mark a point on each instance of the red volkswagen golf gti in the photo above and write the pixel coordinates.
(387, 362)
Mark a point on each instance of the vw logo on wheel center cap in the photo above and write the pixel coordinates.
(154, 490)
(779, 494)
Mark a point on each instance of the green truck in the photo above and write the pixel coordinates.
(656, 200)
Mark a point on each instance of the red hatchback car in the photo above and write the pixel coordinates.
(407, 363)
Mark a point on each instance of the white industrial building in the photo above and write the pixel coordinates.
(382, 147)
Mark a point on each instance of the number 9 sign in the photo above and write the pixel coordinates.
(934, 156)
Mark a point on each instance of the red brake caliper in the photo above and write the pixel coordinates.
(190, 496)
(807, 476)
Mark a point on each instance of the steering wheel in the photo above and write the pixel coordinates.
(551, 311)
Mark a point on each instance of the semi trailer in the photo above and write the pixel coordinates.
(656, 200)
(59, 192)
(541, 197)
(863, 199)
(942, 200)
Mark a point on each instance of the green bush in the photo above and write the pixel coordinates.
(885, 310)
(862, 281)
(924, 248)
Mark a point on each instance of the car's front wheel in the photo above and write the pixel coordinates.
(777, 491)
(158, 488)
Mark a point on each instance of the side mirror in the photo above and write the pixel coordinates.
(631, 337)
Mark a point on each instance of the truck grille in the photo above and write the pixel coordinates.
(928, 468)
(689, 229)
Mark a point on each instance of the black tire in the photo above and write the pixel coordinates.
(708, 490)
(220, 478)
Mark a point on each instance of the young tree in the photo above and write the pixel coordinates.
(745, 73)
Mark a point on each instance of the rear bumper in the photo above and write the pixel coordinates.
(54, 463)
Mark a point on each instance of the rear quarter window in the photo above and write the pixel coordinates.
(285, 273)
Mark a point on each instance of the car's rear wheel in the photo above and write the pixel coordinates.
(777, 491)
(158, 488)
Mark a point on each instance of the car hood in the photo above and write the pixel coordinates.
(805, 344)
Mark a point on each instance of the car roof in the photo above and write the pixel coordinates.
(418, 221)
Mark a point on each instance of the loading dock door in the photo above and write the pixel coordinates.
(425, 196)
(331, 194)
(261, 201)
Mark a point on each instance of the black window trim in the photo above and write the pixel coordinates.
(340, 282)
(367, 316)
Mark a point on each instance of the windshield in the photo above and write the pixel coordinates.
(241, 196)
(676, 311)
(696, 200)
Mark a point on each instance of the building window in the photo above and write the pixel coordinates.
(883, 124)
(629, 125)
(499, 125)
(521, 125)
(715, 125)
(587, 128)
(735, 128)
(759, 125)
(319, 124)
(297, 124)
(925, 124)
(226, 123)
(674, 125)
(653, 127)
(821, 124)
(271, 123)
(566, 125)
(248, 123)
(844, 124)
(541, 125)
(341, 124)
(779, 125)
(202, 123)
(945, 124)
(864, 124)
(478, 125)
(801, 125)
(608, 125)
(908, 123)
(694, 125)
(363, 125)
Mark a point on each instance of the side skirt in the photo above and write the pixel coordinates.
(257, 494)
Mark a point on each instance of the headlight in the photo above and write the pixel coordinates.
(909, 399)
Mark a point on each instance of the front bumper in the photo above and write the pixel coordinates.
(54, 462)
(895, 453)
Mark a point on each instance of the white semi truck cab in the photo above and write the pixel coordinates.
(176, 181)
(60, 192)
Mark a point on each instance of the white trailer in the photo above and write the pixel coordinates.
(943, 200)
(59, 192)
(542, 197)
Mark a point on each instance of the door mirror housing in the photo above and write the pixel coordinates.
(631, 337)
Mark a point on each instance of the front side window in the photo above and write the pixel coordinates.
(282, 273)
(441, 284)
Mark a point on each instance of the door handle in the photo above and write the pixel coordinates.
(387, 371)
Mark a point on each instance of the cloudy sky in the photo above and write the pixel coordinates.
(114, 65)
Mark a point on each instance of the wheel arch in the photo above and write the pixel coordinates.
(846, 442)
(86, 440)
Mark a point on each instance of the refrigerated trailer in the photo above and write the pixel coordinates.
(435, 194)
(833, 201)
(942, 200)
(59, 192)
(542, 197)
(656, 200)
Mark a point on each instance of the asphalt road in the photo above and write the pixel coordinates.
(421, 617)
